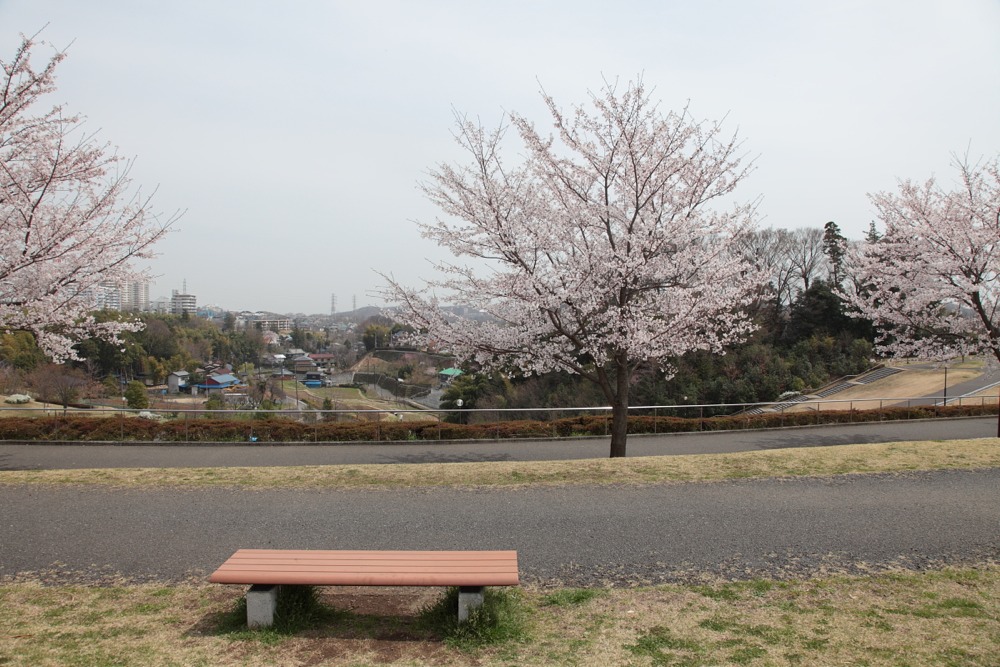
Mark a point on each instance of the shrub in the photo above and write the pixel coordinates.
(282, 429)
(135, 395)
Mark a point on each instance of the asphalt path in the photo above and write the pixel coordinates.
(578, 535)
(35, 455)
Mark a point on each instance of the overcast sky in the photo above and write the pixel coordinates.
(294, 134)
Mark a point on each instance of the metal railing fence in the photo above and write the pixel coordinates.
(384, 423)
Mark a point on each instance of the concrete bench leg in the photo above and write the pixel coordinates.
(469, 598)
(262, 600)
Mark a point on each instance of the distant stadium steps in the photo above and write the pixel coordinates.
(832, 389)
(867, 377)
(777, 407)
(876, 374)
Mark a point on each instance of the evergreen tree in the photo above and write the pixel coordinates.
(873, 235)
(135, 395)
(835, 249)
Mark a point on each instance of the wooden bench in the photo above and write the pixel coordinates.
(266, 570)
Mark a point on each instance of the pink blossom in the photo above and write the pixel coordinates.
(932, 282)
(600, 250)
(69, 220)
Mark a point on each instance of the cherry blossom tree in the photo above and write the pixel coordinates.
(70, 222)
(596, 253)
(931, 282)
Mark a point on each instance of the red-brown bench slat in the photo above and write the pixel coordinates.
(369, 568)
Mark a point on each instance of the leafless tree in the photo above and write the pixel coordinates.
(807, 258)
(56, 383)
(11, 379)
(770, 250)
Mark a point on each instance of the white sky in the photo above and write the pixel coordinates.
(294, 133)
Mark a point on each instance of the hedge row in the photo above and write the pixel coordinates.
(83, 428)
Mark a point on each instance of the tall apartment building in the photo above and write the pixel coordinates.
(135, 296)
(106, 296)
(130, 296)
(182, 303)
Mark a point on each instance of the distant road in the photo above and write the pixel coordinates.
(31, 456)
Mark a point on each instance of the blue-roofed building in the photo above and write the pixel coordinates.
(218, 382)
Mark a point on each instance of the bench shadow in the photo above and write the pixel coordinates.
(346, 613)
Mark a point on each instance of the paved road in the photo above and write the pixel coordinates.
(989, 378)
(41, 456)
(577, 535)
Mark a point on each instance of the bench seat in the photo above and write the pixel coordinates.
(267, 569)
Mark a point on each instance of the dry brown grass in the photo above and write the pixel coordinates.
(990, 395)
(914, 381)
(349, 398)
(35, 408)
(944, 618)
(814, 461)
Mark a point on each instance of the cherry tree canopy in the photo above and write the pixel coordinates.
(599, 249)
(931, 283)
(69, 222)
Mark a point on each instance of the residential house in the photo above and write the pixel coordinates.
(303, 364)
(217, 383)
(178, 382)
(448, 374)
(324, 360)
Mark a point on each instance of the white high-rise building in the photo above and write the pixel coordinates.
(183, 303)
(107, 296)
(135, 296)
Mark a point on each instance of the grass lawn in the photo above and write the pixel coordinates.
(948, 617)
(815, 461)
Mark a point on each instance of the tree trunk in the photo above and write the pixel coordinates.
(619, 410)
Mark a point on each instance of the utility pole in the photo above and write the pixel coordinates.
(946, 384)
